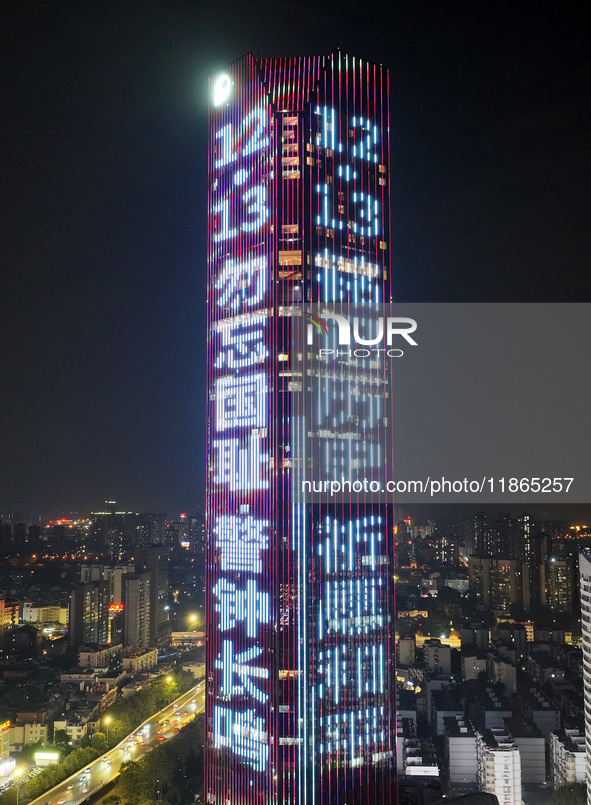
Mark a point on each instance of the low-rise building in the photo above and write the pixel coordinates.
(489, 711)
(411, 762)
(503, 671)
(142, 660)
(444, 704)
(498, 763)
(477, 634)
(473, 664)
(538, 708)
(45, 614)
(74, 725)
(406, 654)
(567, 757)
(22, 735)
(99, 656)
(532, 748)
(437, 657)
(460, 751)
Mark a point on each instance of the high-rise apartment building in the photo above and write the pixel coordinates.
(557, 584)
(156, 564)
(501, 584)
(89, 613)
(112, 574)
(136, 610)
(585, 588)
(110, 531)
(299, 648)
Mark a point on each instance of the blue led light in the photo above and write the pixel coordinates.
(243, 285)
(242, 343)
(240, 541)
(241, 402)
(240, 467)
(236, 665)
(243, 733)
(235, 606)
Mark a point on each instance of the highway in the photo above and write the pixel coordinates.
(159, 728)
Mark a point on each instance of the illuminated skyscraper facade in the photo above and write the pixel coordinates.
(585, 582)
(299, 596)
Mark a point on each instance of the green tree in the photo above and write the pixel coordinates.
(437, 624)
(9, 796)
(61, 738)
(99, 742)
(574, 794)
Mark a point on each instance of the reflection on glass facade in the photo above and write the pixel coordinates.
(299, 597)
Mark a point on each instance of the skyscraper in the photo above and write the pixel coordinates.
(585, 582)
(502, 584)
(89, 613)
(299, 667)
(557, 584)
(136, 610)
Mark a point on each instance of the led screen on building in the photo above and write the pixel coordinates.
(299, 597)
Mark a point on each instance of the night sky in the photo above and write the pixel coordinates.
(104, 132)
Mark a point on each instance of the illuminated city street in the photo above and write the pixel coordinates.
(163, 726)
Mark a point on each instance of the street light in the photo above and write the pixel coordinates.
(17, 774)
(107, 722)
(169, 680)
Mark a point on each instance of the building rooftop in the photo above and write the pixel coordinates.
(573, 740)
(457, 727)
(498, 740)
(520, 728)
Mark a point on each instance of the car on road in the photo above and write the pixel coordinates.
(161, 738)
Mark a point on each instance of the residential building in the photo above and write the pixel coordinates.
(567, 757)
(460, 751)
(89, 613)
(498, 763)
(136, 610)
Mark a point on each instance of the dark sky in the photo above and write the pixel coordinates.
(103, 156)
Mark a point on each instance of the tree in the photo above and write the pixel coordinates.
(61, 738)
(99, 742)
(9, 796)
(574, 794)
